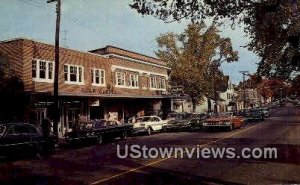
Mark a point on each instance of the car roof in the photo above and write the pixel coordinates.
(16, 123)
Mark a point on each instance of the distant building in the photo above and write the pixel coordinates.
(228, 98)
(226, 101)
(104, 83)
(252, 98)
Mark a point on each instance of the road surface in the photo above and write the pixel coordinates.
(101, 165)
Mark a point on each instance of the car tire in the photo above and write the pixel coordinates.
(99, 139)
(149, 131)
(124, 135)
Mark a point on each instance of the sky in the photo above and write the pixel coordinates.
(91, 24)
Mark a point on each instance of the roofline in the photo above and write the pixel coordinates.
(40, 42)
(106, 47)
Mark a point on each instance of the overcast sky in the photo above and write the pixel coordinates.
(91, 24)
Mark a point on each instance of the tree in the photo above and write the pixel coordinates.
(195, 57)
(295, 86)
(11, 92)
(272, 25)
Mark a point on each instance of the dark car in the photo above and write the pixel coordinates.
(188, 122)
(176, 122)
(256, 115)
(24, 139)
(99, 131)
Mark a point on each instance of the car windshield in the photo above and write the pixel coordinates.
(144, 119)
(2, 129)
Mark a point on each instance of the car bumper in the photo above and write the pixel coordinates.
(139, 130)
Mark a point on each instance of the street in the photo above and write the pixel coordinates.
(99, 164)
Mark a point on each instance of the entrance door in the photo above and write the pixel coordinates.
(72, 116)
(37, 116)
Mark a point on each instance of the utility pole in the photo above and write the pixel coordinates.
(56, 67)
(244, 73)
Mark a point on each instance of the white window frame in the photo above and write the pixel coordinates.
(123, 78)
(134, 79)
(37, 70)
(77, 82)
(155, 83)
(100, 72)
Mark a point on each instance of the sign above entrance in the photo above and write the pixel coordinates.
(95, 103)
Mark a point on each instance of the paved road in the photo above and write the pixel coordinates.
(100, 164)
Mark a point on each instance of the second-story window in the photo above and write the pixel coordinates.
(42, 71)
(98, 76)
(157, 83)
(162, 83)
(133, 80)
(73, 74)
(34, 69)
(120, 79)
(153, 82)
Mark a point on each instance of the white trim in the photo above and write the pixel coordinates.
(42, 80)
(94, 77)
(135, 78)
(74, 83)
(155, 79)
(113, 67)
(117, 79)
(137, 61)
(46, 79)
(77, 74)
(155, 89)
(126, 87)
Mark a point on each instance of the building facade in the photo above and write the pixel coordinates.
(106, 83)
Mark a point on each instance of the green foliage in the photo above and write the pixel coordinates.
(195, 57)
(272, 25)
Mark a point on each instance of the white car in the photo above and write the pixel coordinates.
(148, 124)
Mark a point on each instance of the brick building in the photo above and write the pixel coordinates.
(107, 82)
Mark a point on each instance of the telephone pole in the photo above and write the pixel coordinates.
(56, 67)
(244, 73)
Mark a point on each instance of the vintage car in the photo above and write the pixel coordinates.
(189, 123)
(265, 111)
(148, 124)
(99, 131)
(256, 115)
(223, 121)
(24, 139)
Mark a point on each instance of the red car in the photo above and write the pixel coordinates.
(223, 121)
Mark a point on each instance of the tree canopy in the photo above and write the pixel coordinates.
(11, 92)
(272, 25)
(195, 57)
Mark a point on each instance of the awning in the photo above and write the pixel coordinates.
(112, 95)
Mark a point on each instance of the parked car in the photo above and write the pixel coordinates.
(189, 123)
(24, 139)
(265, 111)
(177, 122)
(99, 131)
(223, 121)
(148, 124)
(256, 115)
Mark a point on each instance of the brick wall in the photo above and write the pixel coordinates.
(126, 53)
(21, 52)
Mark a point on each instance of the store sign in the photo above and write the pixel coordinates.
(95, 103)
